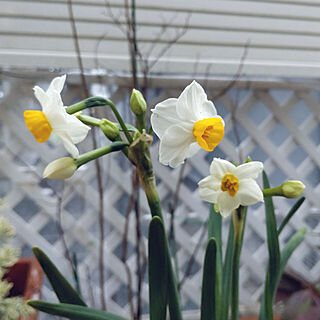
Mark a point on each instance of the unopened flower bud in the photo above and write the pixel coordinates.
(137, 103)
(292, 189)
(109, 129)
(62, 168)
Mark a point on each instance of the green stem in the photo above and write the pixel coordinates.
(141, 122)
(271, 192)
(100, 102)
(139, 154)
(97, 153)
(238, 218)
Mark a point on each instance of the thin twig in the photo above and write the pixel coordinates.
(90, 289)
(124, 254)
(135, 187)
(97, 163)
(237, 75)
(172, 237)
(179, 35)
(193, 256)
(60, 229)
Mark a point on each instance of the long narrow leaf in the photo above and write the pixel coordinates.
(286, 253)
(73, 311)
(290, 214)
(274, 252)
(60, 285)
(214, 231)
(288, 250)
(158, 270)
(227, 274)
(208, 296)
(239, 219)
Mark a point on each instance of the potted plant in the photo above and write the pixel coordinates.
(17, 278)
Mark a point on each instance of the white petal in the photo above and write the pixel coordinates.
(193, 149)
(210, 182)
(190, 102)
(249, 192)
(75, 129)
(208, 110)
(163, 116)
(41, 96)
(227, 203)
(174, 145)
(53, 106)
(208, 195)
(249, 170)
(57, 84)
(220, 167)
(69, 145)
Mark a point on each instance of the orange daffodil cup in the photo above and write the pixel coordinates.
(186, 124)
(54, 119)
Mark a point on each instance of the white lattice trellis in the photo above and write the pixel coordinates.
(277, 123)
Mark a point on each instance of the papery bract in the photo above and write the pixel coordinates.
(186, 124)
(54, 118)
(229, 186)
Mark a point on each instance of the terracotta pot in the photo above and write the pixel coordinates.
(26, 276)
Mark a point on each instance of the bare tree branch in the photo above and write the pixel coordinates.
(97, 162)
(237, 74)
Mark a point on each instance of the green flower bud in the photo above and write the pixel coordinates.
(292, 189)
(109, 129)
(137, 103)
(62, 168)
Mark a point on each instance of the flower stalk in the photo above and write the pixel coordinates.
(97, 153)
(290, 189)
(100, 102)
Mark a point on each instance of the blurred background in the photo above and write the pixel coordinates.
(259, 61)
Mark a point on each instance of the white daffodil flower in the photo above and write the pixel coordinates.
(54, 118)
(229, 186)
(186, 124)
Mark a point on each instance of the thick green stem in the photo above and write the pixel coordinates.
(139, 154)
(100, 102)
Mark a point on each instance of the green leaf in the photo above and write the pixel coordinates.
(289, 248)
(158, 270)
(60, 285)
(239, 220)
(208, 296)
(72, 311)
(227, 274)
(214, 231)
(290, 214)
(274, 252)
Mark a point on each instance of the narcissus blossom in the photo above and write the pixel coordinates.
(229, 186)
(186, 124)
(54, 118)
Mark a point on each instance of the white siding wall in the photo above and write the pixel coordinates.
(283, 36)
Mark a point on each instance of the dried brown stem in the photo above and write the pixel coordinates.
(124, 254)
(97, 163)
(237, 75)
(193, 256)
